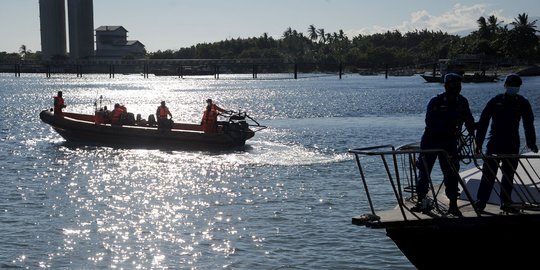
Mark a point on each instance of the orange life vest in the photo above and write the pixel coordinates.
(163, 112)
(116, 114)
(209, 121)
(58, 105)
(99, 117)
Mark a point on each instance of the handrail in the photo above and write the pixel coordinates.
(526, 176)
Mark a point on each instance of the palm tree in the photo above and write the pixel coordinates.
(328, 37)
(523, 37)
(483, 30)
(312, 31)
(523, 20)
(322, 35)
(493, 24)
(23, 51)
(288, 32)
(341, 34)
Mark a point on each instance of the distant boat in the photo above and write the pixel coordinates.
(530, 71)
(368, 72)
(467, 78)
(184, 71)
(433, 239)
(471, 67)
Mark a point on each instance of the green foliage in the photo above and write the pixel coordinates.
(322, 50)
(421, 48)
(7, 57)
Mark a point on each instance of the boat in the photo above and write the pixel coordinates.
(185, 71)
(433, 239)
(529, 71)
(473, 69)
(467, 78)
(234, 131)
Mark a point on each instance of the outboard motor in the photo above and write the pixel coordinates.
(239, 119)
(239, 125)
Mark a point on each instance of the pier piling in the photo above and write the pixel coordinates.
(111, 71)
(79, 71)
(216, 72)
(17, 70)
(254, 71)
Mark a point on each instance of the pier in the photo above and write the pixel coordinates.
(167, 67)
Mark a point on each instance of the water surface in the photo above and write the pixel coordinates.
(284, 202)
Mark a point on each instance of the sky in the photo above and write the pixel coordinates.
(173, 24)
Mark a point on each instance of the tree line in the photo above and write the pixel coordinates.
(516, 43)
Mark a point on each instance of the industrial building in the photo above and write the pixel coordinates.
(81, 29)
(53, 29)
(111, 41)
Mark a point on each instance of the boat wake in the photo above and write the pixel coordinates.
(265, 153)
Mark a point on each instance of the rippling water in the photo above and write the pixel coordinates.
(283, 202)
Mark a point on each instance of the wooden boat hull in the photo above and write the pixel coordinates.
(73, 128)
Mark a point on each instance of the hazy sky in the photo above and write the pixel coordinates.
(172, 24)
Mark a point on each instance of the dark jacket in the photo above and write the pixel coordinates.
(445, 117)
(505, 113)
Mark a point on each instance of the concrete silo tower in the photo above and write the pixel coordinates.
(52, 20)
(81, 28)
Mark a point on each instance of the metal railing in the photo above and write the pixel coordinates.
(399, 165)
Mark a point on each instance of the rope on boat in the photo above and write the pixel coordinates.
(466, 147)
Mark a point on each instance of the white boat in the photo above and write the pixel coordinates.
(472, 69)
(489, 239)
(467, 78)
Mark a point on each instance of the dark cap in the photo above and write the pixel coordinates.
(452, 77)
(513, 80)
(208, 101)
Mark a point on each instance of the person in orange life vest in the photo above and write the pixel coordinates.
(209, 121)
(162, 112)
(58, 104)
(102, 116)
(116, 115)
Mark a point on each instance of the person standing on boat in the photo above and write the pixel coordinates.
(59, 104)
(162, 112)
(116, 114)
(505, 112)
(446, 113)
(209, 121)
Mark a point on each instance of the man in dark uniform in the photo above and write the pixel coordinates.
(505, 112)
(446, 113)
